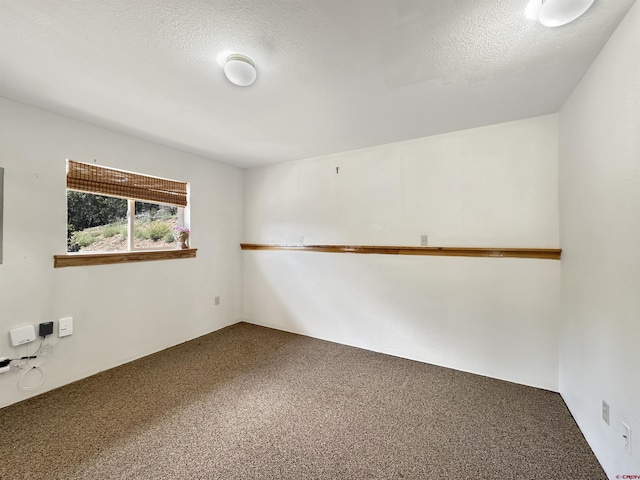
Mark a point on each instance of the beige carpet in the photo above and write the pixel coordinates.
(250, 402)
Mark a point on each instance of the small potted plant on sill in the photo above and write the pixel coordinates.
(181, 234)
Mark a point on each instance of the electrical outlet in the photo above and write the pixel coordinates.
(216, 300)
(424, 240)
(301, 240)
(626, 436)
(605, 412)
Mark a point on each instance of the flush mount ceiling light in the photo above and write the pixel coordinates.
(240, 70)
(555, 13)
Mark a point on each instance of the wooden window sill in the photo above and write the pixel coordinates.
(544, 253)
(88, 259)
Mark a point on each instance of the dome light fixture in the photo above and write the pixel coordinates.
(555, 13)
(240, 70)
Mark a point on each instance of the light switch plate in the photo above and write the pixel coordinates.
(22, 335)
(65, 327)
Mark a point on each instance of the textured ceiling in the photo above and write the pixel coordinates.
(333, 75)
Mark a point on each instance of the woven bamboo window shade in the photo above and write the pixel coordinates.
(117, 183)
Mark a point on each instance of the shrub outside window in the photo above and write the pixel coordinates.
(100, 218)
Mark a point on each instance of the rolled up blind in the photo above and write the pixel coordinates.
(118, 183)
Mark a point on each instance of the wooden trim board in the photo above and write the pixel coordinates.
(543, 253)
(87, 259)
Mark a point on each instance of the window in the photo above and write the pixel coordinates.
(112, 210)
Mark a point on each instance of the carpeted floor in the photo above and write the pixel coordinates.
(250, 402)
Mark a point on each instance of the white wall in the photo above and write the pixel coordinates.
(491, 186)
(121, 312)
(600, 219)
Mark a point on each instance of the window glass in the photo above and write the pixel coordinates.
(99, 223)
(153, 225)
(96, 223)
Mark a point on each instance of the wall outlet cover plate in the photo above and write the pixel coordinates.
(65, 327)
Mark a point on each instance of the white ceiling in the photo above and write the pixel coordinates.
(333, 75)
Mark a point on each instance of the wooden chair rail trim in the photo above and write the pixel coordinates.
(544, 253)
(88, 259)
